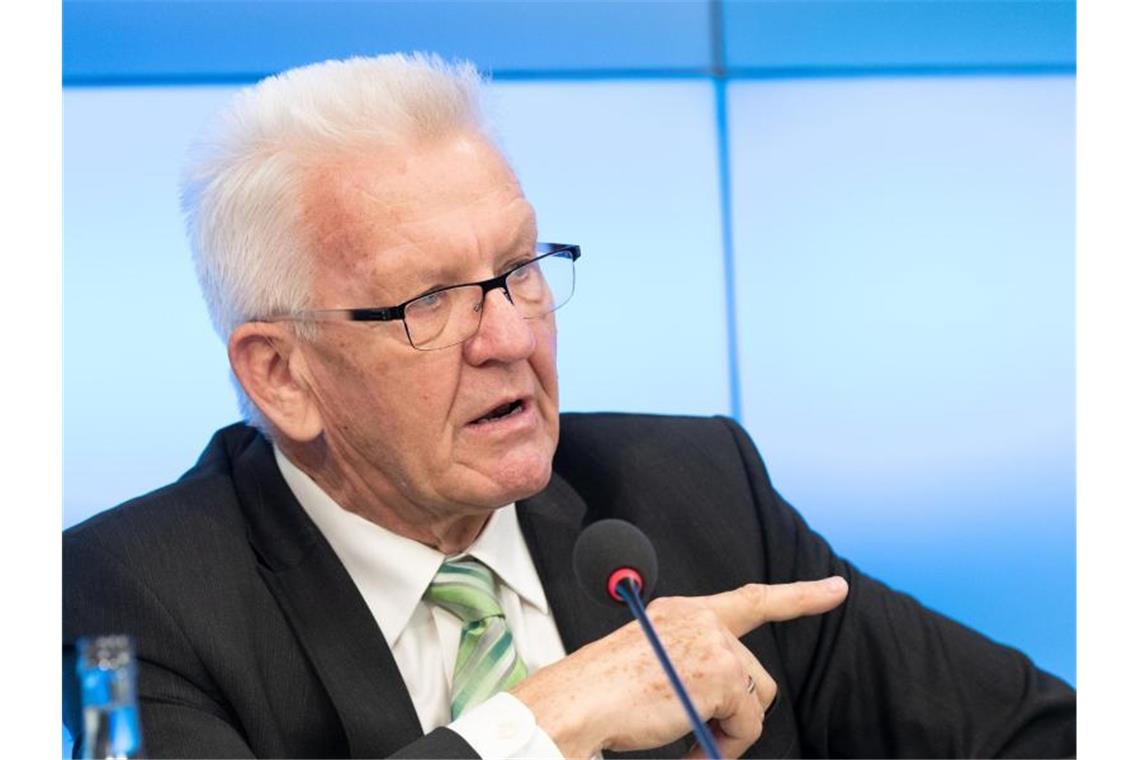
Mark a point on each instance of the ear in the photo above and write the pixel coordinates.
(267, 361)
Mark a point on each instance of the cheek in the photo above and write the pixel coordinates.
(544, 360)
(420, 394)
(383, 397)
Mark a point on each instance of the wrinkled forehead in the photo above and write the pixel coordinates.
(395, 214)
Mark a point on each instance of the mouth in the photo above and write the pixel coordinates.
(501, 412)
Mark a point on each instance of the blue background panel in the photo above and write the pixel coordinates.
(244, 40)
(904, 287)
(138, 41)
(867, 34)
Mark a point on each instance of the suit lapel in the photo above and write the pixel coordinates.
(551, 522)
(330, 618)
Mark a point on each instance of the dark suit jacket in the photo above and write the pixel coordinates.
(253, 641)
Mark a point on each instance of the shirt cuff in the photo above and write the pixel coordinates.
(504, 727)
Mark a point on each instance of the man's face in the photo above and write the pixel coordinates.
(406, 426)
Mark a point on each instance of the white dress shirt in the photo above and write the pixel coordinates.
(393, 572)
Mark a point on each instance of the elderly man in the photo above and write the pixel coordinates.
(380, 563)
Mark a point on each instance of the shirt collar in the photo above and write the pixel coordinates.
(502, 548)
(392, 572)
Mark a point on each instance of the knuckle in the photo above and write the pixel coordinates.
(657, 607)
(665, 610)
(758, 594)
(771, 706)
(705, 617)
(725, 661)
(662, 607)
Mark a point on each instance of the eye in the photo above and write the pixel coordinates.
(430, 301)
(522, 273)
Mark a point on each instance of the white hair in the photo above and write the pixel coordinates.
(242, 182)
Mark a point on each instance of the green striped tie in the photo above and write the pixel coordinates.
(487, 662)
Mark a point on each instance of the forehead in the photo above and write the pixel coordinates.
(394, 214)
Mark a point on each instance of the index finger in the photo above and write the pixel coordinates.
(749, 607)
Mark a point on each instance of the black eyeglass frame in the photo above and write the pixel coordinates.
(392, 313)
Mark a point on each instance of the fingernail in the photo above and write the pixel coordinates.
(835, 584)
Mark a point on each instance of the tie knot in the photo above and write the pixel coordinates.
(465, 588)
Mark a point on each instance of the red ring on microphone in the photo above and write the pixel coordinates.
(621, 574)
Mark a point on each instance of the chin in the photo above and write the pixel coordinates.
(517, 477)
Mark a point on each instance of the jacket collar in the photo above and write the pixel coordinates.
(331, 620)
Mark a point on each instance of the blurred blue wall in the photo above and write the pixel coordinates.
(848, 224)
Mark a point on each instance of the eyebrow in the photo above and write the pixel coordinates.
(461, 282)
(525, 233)
(439, 285)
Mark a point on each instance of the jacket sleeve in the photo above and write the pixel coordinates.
(180, 716)
(883, 676)
(182, 712)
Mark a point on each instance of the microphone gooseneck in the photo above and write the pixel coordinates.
(615, 562)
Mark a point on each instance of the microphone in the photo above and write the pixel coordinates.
(610, 551)
(615, 563)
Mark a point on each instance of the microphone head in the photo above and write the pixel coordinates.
(606, 552)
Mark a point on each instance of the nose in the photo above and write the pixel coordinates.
(503, 334)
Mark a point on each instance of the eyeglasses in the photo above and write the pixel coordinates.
(451, 315)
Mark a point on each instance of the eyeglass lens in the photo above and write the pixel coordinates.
(451, 316)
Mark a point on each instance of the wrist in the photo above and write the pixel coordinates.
(561, 715)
